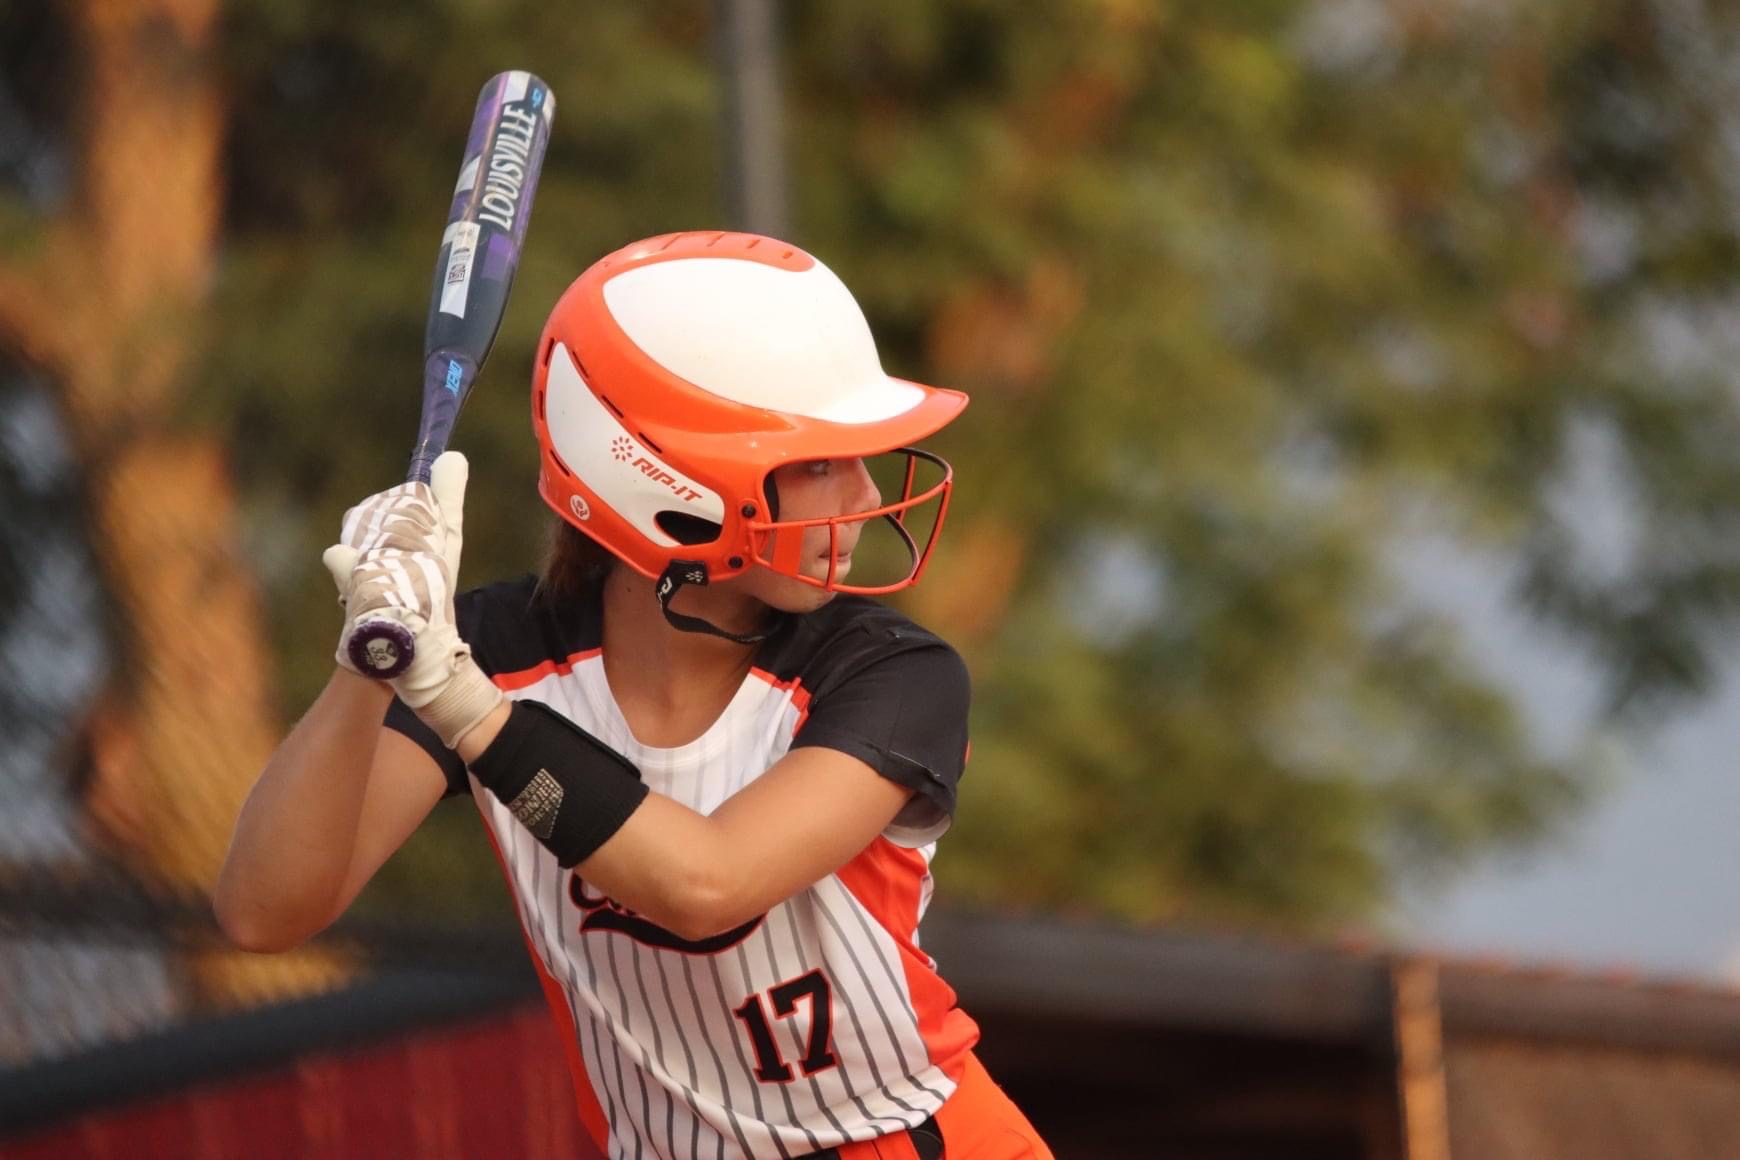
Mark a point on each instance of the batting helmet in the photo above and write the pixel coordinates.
(677, 373)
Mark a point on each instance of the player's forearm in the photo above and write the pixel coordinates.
(695, 874)
(676, 867)
(297, 834)
(662, 859)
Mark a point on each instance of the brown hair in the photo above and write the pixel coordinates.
(575, 564)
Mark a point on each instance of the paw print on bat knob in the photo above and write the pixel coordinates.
(381, 648)
(383, 654)
(621, 448)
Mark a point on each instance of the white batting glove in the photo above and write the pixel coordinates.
(398, 559)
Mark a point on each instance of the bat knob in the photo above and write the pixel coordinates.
(382, 648)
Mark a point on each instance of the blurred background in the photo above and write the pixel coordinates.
(1344, 544)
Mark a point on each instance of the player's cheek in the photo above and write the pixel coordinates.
(817, 541)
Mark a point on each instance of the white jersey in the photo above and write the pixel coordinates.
(818, 1023)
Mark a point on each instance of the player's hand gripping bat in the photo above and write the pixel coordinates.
(479, 253)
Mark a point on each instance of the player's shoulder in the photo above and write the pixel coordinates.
(848, 635)
(513, 625)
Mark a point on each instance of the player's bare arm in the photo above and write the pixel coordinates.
(697, 874)
(338, 796)
(810, 814)
(341, 794)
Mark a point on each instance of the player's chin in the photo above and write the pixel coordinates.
(792, 595)
(787, 593)
(797, 597)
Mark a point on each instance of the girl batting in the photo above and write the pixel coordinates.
(713, 767)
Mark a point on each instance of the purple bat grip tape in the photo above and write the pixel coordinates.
(382, 648)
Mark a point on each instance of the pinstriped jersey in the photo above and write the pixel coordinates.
(818, 1023)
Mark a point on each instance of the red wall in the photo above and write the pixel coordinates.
(496, 1087)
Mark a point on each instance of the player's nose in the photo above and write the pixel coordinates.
(865, 495)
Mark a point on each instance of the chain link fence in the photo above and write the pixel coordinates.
(74, 982)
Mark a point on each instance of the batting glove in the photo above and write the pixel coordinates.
(397, 559)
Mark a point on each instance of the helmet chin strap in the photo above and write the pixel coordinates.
(681, 572)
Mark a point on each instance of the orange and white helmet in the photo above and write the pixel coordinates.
(677, 373)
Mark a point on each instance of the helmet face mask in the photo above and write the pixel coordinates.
(676, 375)
(778, 544)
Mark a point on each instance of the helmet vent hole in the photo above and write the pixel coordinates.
(641, 435)
(541, 417)
(605, 399)
(687, 529)
(549, 349)
(557, 460)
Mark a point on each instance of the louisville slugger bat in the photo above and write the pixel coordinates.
(480, 250)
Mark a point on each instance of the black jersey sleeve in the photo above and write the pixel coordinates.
(400, 719)
(508, 629)
(904, 714)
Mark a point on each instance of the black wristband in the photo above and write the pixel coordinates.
(568, 788)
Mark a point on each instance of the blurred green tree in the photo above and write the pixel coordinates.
(1247, 296)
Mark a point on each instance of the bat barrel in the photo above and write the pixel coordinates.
(480, 250)
(486, 223)
(504, 153)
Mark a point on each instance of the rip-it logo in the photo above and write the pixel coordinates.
(622, 448)
(664, 478)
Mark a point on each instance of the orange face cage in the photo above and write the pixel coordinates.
(782, 553)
